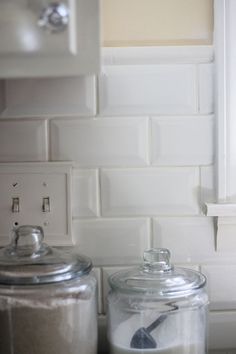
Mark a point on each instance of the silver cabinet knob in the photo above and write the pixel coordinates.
(55, 17)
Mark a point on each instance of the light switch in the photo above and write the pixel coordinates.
(36, 194)
(15, 205)
(46, 205)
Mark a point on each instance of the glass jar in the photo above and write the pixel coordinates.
(157, 309)
(47, 298)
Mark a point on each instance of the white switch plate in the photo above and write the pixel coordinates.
(31, 182)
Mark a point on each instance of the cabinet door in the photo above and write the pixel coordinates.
(43, 38)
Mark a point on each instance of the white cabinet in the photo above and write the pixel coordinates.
(47, 38)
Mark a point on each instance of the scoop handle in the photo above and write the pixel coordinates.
(156, 323)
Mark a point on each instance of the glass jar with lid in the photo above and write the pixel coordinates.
(47, 298)
(157, 308)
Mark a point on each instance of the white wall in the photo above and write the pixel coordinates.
(155, 22)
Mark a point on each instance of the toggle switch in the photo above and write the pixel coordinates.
(46, 205)
(37, 194)
(15, 208)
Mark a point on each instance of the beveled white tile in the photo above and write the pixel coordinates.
(23, 140)
(51, 96)
(97, 272)
(85, 193)
(226, 230)
(145, 89)
(208, 191)
(182, 140)
(221, 285)
(112, 241)
(150, 191)
(196, 236)
(100, 142)
(222, 330)
(206, 78)
(106, 272)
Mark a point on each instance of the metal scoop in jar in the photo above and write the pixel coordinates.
(142, 339)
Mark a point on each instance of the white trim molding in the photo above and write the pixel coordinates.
(224, 209)
(225, 108)
(220, 21)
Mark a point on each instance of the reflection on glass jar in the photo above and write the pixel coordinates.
(47, 298)
(157, 308)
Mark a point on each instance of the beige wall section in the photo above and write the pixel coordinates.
(157, 22)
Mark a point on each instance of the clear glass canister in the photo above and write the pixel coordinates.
(47, 298)
(157, 309)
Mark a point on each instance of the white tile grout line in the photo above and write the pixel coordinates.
(102, 291)
(198, 103)
(149, 141)
(151, 234)
(48, 146)
(97, 103)
(200, 200)
(99, 192)
(122, 217)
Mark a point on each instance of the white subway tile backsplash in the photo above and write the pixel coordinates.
(152, 191)
(112, 241)
(51, 96)
(206, 103)
(176, 140)
(148, 89)
(195, 235)
(208, 192)
(152, 101)
(226, 229)
(221, 286)
(100, 142)
(85, 201)
(222, 330)
(23, 140)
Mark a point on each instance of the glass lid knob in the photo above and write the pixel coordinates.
(157, 259)
(27, 240)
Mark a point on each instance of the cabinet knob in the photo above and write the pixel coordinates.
(55, 17)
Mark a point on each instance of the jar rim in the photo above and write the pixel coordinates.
(156, 276)
(27, 260)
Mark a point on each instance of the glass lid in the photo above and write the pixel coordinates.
(156, 276)
(27, 260)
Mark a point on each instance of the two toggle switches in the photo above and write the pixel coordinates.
(37, 194)
(46, 207)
